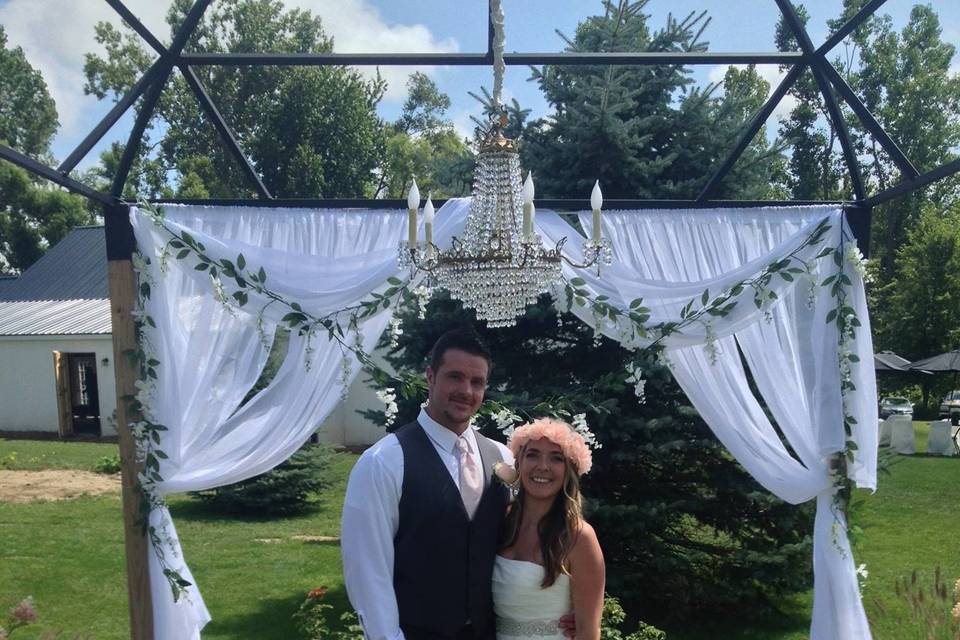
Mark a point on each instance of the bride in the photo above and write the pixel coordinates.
(549, 563)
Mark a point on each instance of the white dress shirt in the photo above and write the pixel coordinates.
(371, 515)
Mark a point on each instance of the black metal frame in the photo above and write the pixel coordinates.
(151, 84)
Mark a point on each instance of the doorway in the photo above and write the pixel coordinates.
(78, 396)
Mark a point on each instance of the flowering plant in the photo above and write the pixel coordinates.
(311, 619)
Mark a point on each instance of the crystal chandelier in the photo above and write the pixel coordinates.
(501, 265)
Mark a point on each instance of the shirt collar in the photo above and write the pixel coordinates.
(442, 436)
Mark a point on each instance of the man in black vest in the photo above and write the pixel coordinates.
(421, 513)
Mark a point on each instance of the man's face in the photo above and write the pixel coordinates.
(456, 388)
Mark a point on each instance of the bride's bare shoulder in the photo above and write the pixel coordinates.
(586, 547)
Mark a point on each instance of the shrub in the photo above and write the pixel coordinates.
(312, 623)
(107, 464)
(613, 616)
(284, 490)
(934, 609)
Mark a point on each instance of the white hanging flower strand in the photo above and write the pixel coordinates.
(388, 396)
(635, 378)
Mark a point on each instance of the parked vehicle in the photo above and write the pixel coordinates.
(894, 406)
(950, 407)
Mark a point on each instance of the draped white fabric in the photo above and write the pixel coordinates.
(211, 354)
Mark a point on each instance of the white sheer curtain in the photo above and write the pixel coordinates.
(668, 258)
(210, 354)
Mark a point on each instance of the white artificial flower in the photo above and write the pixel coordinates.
(862, 571)
(396, 330)
(423, 294)
(388, 397)
(855, 258)
(636, 379)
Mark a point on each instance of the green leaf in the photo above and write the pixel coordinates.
(261, 275)
(241, 261)
(394, 281)
(705, 296)
(828, 280)
(854, 357)
(578, 282)
(160, 454)
(183, 253)
(202, 266)
(786, 276)
(636, 302)
(831, 316)
(188, 238)
(176, 244)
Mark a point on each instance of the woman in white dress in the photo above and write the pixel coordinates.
(549, 563)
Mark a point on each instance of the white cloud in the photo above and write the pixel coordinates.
(357, 27)
(55, 34)
(769, 72)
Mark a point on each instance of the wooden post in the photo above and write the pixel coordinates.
(123, 296)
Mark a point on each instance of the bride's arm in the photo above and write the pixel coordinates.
(587, 575)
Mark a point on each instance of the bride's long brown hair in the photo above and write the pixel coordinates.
(557, 529)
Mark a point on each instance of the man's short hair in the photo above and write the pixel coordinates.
(463, 339)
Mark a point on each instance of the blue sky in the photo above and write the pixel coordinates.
(55, 34)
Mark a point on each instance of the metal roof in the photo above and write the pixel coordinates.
(54, 317)
(73, 269)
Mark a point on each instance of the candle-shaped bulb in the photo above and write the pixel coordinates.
(596, 197)
(428, 216)
(596, 202)
(428, 212)
(413, 203)
(413, 196)
(528, 191)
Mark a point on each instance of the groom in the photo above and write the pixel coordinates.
(421, 515)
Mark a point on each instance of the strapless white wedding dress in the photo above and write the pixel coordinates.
(524, 609)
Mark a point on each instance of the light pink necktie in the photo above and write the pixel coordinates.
(471, 482)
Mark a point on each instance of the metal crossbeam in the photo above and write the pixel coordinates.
(150, 100)
(751, 131)
(42, 170)
(865, 12)
(817, 63)
(226, 133)
(923, 180)
(642, 58)
(145, 81)
(870, 123)
(560, 204)
(137, 26)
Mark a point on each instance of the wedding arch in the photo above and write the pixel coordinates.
(205, 283)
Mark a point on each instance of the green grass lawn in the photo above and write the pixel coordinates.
(254, 573)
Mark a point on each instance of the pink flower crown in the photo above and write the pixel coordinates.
(558, 432)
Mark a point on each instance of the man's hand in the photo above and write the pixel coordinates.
(568, 624)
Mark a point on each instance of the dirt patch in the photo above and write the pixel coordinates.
(54, 484)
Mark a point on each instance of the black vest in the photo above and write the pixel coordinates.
(443, 562)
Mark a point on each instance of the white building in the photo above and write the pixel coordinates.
(56, 351)
(55, 346)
